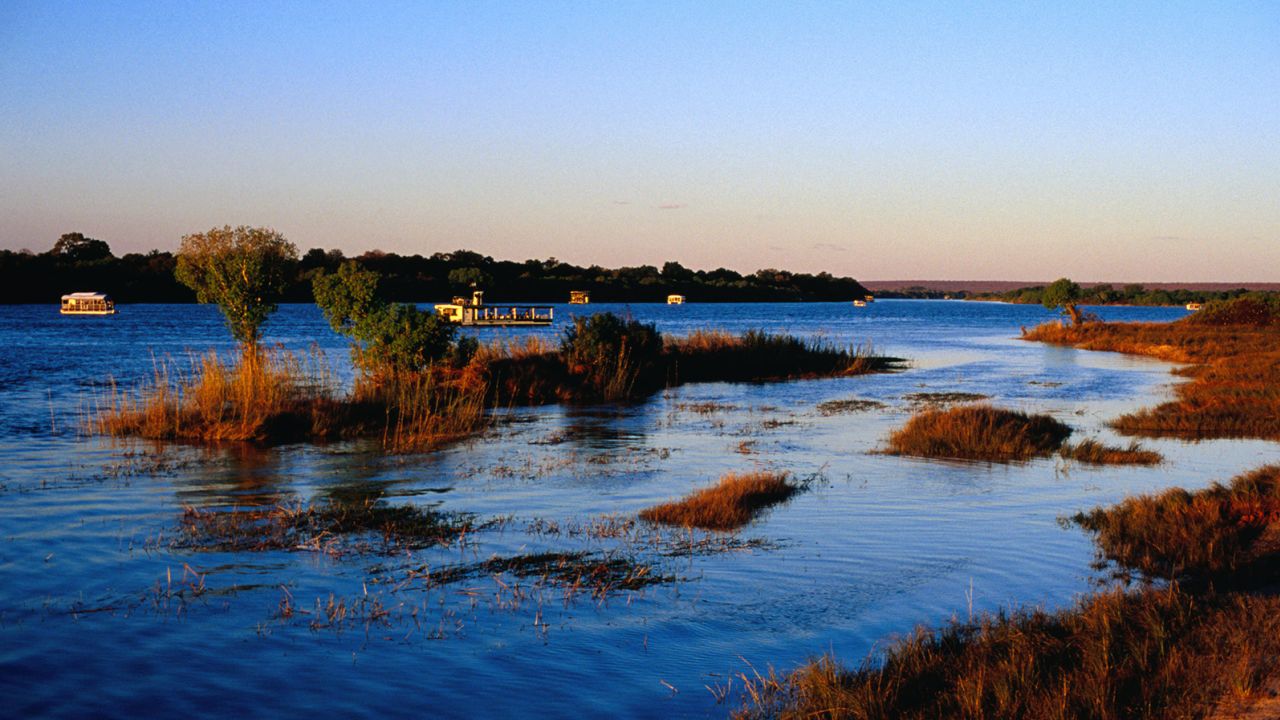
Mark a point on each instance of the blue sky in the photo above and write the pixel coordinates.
(1113, 141)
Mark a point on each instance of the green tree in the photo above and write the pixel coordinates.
(388, 338)
(77, 248)
(469, 277)
(1064, 295)
(242, 270)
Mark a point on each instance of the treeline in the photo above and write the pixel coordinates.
(78, 263)
(1110, 295)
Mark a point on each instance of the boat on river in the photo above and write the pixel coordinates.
(675, 299)
(1194, 306)
(88, 303)
(473, 312)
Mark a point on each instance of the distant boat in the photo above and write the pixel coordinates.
(675, 299)
(88, 303)
(859, 303)
(579, 297)
(1194, 306)
(870, 298)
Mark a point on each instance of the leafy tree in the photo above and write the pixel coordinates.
(389, 337)
(1065, 295)
(242, 270)
(466, 277)
(77, 248)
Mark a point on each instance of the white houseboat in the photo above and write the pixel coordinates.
(88, 303)
(473, 312)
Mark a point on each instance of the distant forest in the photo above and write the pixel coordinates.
(1124, 295)
(77, 263)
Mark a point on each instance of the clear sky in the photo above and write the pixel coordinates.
(1107, 141)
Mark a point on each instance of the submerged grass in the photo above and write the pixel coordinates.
(731, 503)
(1226, 533)
(1234, 351)
(1152, 654)
(324, 527)
(978, 432)
(1094, 452)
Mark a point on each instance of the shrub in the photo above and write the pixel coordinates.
(389, 338)
(614, 359)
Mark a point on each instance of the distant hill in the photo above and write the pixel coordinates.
(999, 286)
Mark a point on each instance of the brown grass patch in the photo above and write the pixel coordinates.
(727, 505)
(1096, 453)
(1234, 390)
(849, 405)
(1227, 533)
(1153, 654)
(978, 432)
(944, 398)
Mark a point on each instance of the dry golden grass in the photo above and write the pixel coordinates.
(727, 505)
(1153, 654)
(1234, 390)
(1228, 533)
(978, 432)
(273, 397)
(1095, 453)
(217, 400)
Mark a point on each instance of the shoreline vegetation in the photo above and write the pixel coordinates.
(419, 383)
(1205, 643)
(1231, 352)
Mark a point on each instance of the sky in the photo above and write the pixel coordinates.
(903, 140)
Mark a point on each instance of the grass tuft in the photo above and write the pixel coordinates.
(728, 505)
(978, 432)
(1096, 453)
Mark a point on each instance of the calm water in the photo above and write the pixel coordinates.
(94, 619)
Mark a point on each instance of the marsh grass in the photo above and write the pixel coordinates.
(1093, 452)
(731, 503)
(330, 527)
(1151, 654)
(754, 356)
(1234, 351)
(978, 432)
(274, 396)
(1226, 533)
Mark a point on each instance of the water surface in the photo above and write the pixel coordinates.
(96, 616)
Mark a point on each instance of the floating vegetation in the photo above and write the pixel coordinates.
(848, 405)
(943, 398)
(978, 432)
(597, 574)
(728, 505)
(1228, 533)
(1094, 452)
(1153, 654)
(329, 528)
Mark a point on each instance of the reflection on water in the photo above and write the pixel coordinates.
(100, 612)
